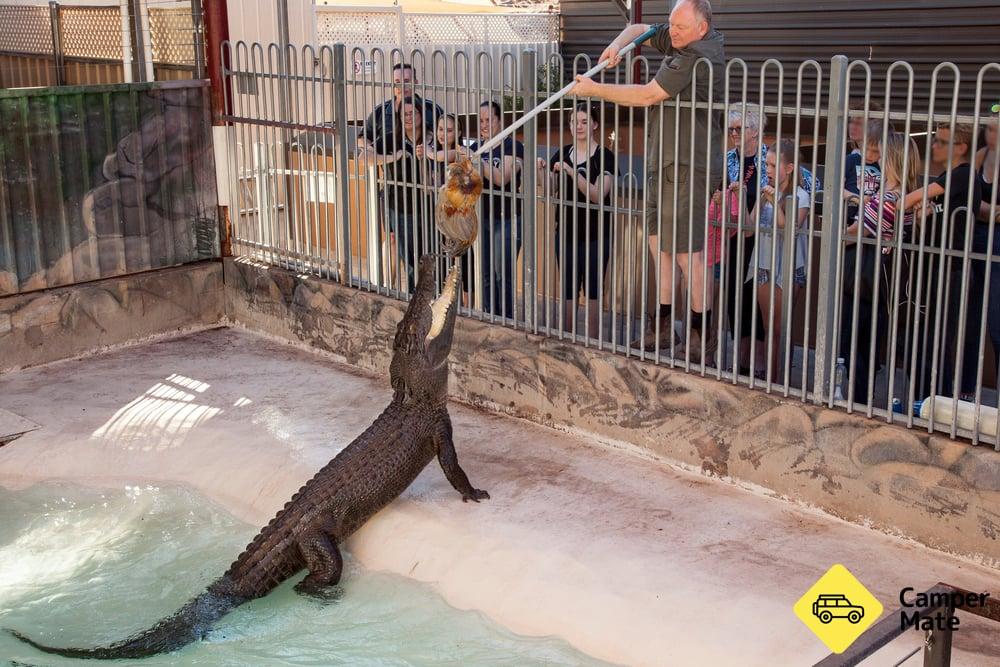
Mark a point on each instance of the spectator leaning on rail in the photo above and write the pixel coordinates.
(883, 216)
(447, 147)
(988, 169)
(682, 177)
(862, 183)
(856, 122)
(403, 199)
(746, 175)
(500, 224)
(768, 263)
(381, 141)
(582, 176)
(942, 223)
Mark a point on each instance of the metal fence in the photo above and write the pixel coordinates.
(70, 43)
(102, 181)
(872, 318)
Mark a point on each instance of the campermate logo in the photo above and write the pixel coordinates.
(943, 602)
(838, 608)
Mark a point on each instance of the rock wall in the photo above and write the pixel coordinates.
(942, 493)
(49, 325)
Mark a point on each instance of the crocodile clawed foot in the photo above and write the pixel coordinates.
(325, 593)
(476, 495)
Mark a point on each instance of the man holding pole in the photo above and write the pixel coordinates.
(683, 160)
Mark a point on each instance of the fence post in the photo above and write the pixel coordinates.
(139, 72)
(217, 57)
(937, 643)
(199, 39)
(833, 202)
(57, 48)
(214, 21)
(284, 89)
(529, 94)
(789, 234)
(289, 229)
(340, 123)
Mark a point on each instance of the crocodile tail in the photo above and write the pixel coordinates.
(189, 624)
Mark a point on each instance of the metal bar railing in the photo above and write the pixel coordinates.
(814, 250)
(836, 144)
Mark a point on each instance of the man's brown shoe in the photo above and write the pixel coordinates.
(667, 341)
(694, 344)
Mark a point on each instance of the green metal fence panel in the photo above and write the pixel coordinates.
(101, 181)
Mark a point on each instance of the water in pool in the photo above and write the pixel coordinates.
(80, 567)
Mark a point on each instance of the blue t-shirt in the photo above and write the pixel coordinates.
(854, 180)
(502, 204)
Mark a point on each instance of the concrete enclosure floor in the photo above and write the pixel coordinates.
(630, 560)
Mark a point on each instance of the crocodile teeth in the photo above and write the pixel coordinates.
(441, 305)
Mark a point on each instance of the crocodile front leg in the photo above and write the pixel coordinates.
(324, 562)
(449, 461)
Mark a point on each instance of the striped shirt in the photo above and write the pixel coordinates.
(887, 224)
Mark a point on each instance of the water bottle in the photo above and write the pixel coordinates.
(839, 379)
(897, 406)
(964, 411)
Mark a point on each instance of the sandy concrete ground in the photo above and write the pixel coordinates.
(630, 560)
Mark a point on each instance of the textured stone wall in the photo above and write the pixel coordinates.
(942, 493)
(60, 323)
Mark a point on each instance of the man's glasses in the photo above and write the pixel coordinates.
(735, 130)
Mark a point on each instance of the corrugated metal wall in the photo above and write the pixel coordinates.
(922, 32)
(102, 181)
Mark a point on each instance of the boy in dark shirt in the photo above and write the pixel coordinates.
(947, 218)
(858, 179)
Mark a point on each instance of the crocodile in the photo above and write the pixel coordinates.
(362, 479)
